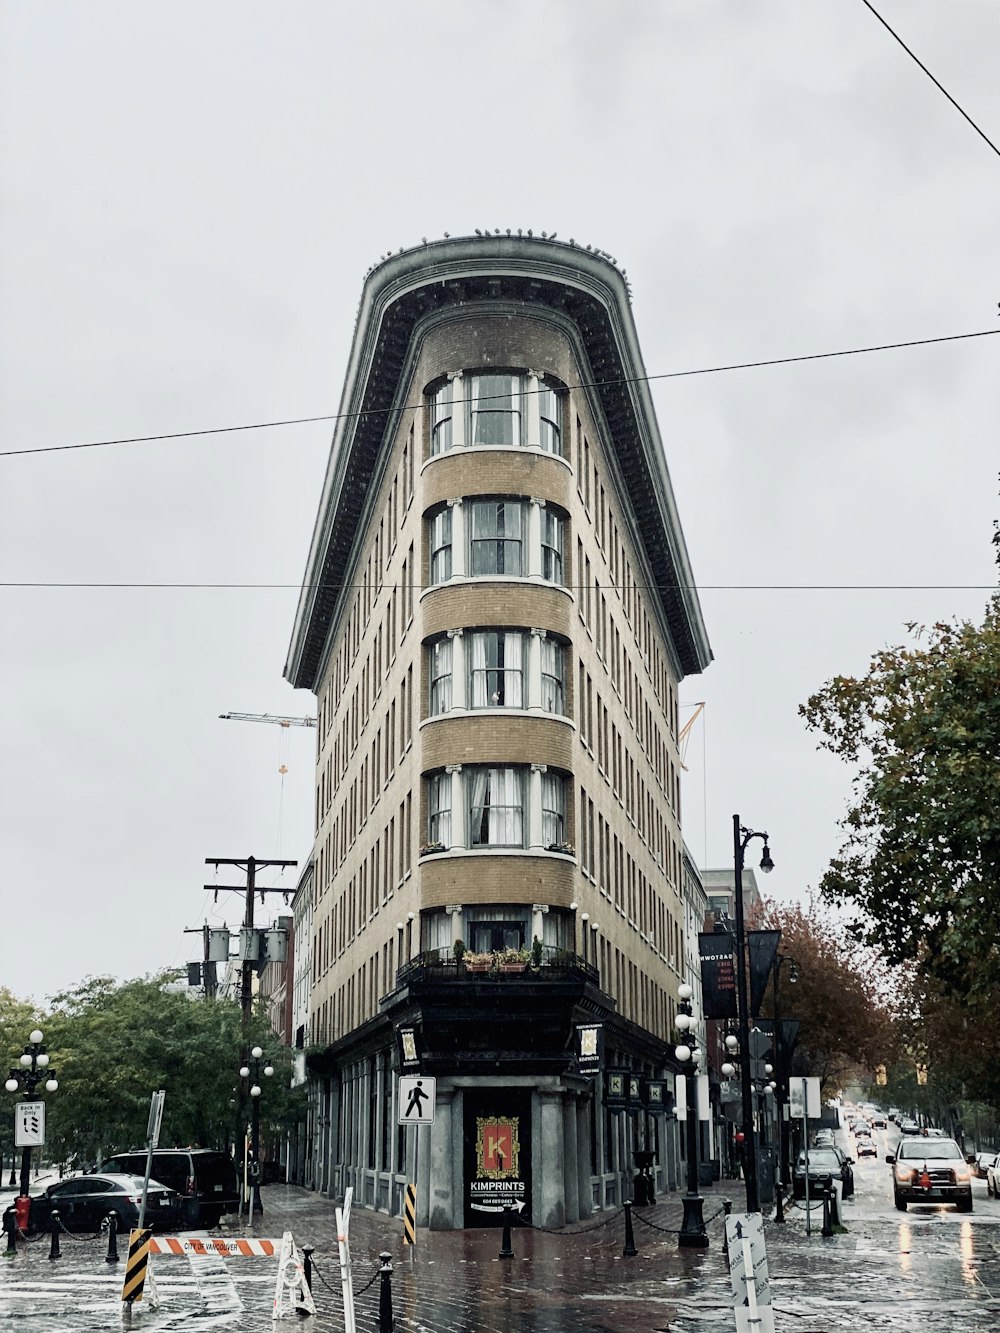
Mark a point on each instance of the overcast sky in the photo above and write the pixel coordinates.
(192, 193)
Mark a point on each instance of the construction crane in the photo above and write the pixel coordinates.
(269, 717)
(684, 735)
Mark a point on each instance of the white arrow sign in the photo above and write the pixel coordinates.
(29, 1124)
(748, 1272)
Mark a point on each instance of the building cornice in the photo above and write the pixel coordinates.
(469, 273)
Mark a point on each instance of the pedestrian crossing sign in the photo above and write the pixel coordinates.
(416, 1099)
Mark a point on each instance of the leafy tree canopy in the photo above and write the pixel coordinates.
(842, 998)
(921, 860)
(115, 1043)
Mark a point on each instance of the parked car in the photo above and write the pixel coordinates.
(83, 1202)
(866, 1148)
(823, 1162)
(930, 1171)
(982, 1162)
(207, 1180)
(993, 1178)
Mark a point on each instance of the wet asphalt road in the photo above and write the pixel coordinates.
(927, 1271)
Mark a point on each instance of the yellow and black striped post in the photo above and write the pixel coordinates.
(138, 1261)
(410, 1216)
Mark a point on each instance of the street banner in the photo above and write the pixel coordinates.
(751, 1295)
(762, 949)
(718, 974)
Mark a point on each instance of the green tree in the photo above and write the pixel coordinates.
(842, 998)
(117, 1042)
(920, 865)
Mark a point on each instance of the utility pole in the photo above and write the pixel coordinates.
(251, 865)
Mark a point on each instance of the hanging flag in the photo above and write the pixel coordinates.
(762, 947)
(718, 974)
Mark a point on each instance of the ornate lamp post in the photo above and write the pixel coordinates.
(782, 1059)
(741, 838)
(33, 1066)
(692, 1233)
(252, 1071)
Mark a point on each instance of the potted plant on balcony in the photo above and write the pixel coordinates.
(477, 962)
(429, 848)
(513, 960)
(566, 848)
(458, 951)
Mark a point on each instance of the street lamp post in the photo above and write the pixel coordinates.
(34, 1064)
(781, 1060)
(741, 838)
(692, 1233)
(252, 1070)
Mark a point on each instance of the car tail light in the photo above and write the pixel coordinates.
(189, 1185)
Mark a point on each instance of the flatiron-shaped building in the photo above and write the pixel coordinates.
(496, 612)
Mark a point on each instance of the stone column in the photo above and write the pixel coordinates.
(533, 696)
(533, 554)
(534, 830)
(586, 1109)
(454, 910)
(459, 409)
(459, 815)
(550, 1186)
(459, 545)
(571, 1149)
(538, 911)
(459, 683)
(531, 434)
(441, 1201)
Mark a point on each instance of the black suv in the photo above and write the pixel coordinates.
(207, 1180)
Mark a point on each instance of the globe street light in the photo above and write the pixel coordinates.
(692, 1233)
(741, 838)
(34, 1064)
(252, 1070)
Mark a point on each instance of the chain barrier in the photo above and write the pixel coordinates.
(561, 1231)
(316, 1269)
(31, 1240)
(673, 1231)
(84, 1240)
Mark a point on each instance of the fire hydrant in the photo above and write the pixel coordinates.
(22, 1208)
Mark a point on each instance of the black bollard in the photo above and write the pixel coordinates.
(629, 1249)
(827, 1227)
(727, 1208)
(10, 1227)
(385, 1322)
(834, 1205)
(505, 1248)
(307, 1266)
(54, 1228)
(112, 1255)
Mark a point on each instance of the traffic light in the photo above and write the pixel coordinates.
(881, 1077)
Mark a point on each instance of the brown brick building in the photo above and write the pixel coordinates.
(496, 613)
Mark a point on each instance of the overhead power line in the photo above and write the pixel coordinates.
(670, 587)
(415, 407)
(937, 84)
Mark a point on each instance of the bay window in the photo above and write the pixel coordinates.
(495, 409)
(495, 798)
(496, 675)
(496, 537)
(440, 568)
(439, 673)
(553, 676)
(553, 810)
(552, 546)
(439, 809)
(441, 418)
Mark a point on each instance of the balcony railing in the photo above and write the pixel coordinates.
(441, 965)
